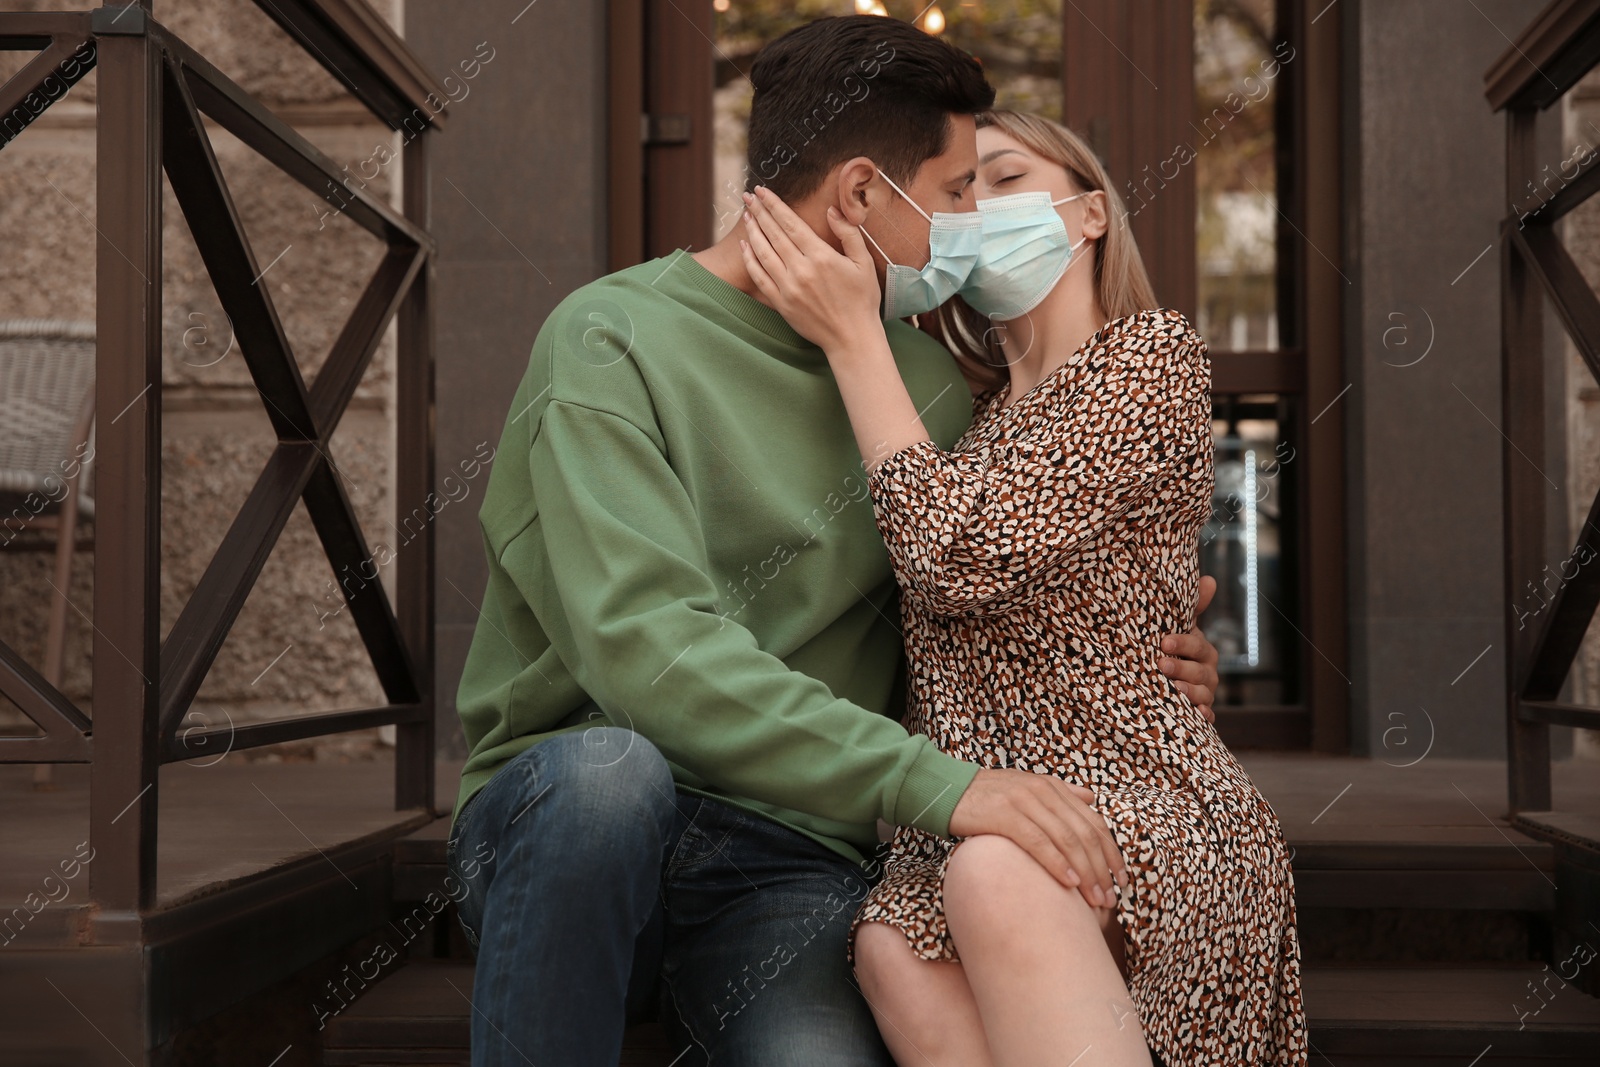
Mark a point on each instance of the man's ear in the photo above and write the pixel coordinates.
(851, 185)
(1094, 214)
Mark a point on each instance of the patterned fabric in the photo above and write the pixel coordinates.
(1041, 561)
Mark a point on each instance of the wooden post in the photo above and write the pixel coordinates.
(127, 556)
(1522, 421)
(1128, 86)
(414, 458)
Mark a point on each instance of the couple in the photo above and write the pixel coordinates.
(685, 699)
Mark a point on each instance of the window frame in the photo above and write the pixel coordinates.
(1128, 85)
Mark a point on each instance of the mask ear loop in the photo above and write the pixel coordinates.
(881, 252)
(1085, 238)
(914, 206)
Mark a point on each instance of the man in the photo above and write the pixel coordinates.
(681, 697)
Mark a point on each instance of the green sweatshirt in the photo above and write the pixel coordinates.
(681, 542)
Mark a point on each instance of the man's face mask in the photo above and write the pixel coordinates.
(953, 243)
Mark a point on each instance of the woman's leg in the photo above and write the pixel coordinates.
(1039, 963)
(924, 1008)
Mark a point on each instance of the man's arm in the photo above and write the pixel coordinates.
(644, 638)
(1048, 817)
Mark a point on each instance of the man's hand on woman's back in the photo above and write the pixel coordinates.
(1191, 660)
(1053, 820)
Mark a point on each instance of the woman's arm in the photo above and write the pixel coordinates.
(834, 305)
(967, 531)
(832, 300)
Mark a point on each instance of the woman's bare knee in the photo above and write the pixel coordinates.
(924, 1008)
(993, 887)
(988, 871)
(882, 956)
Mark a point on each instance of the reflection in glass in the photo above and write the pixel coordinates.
(1237, 64)
(1247, 546)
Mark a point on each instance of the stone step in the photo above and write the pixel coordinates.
(1377, 1017)
(1378, 867)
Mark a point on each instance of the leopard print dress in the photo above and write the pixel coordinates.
(1040, 562)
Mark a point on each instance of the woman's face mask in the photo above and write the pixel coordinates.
(1023, 252)
(953, 239)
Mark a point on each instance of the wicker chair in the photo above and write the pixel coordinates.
(46, 449)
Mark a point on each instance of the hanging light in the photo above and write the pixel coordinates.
(933, 21)
(864, 7)
(721, 5)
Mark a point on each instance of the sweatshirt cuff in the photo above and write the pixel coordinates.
(931, 789)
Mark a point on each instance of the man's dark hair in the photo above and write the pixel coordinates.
(855, 85)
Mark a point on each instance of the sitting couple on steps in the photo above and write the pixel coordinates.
(691, 705)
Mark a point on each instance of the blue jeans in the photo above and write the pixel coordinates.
(597, 895)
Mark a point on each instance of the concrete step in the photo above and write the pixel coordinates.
(1442, 867)
(1385, 893)
(421, 1015)
(1377, 1017)
(1502, 1014)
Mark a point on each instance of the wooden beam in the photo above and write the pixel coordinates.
(352, 350)
(416, 442)
(1127, 79)
(337, 526)
(1572, 607)
(1522, 456)
(211, 610)
(1324, 290)
(677, 83)
(207, 743)
(219, 235)
(1557, 714)
(35, 697)
(1280, 371)
(219, 98)
(624, 128)
(28, 93)
(1566, 287)
(1552, 52)
(367, 57)
(1545, 210)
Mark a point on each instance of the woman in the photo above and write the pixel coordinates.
(1036, 558)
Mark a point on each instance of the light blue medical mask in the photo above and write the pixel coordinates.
(953, 239)
(1024, 252)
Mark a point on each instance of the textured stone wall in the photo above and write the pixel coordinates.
(292, 649)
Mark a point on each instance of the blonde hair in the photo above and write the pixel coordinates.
(1120, 281)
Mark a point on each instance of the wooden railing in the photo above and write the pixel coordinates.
(152, 91)
(1557, 49)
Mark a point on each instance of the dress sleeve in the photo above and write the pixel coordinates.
(964, 530)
